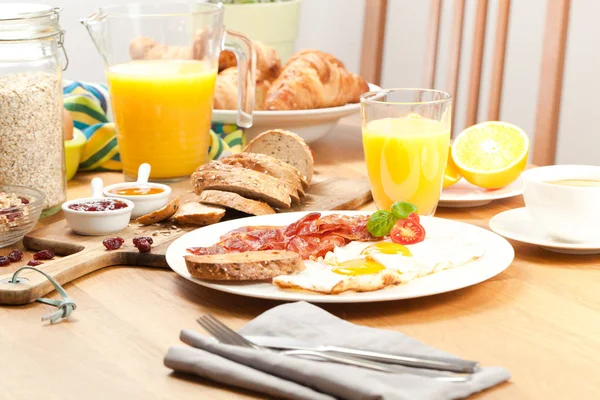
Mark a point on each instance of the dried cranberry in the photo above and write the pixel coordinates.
(33, 263)
(137, 239)
(43, 255)
(4, 261)
(24, 200)
(15, 255)
(113, 243)
(144, 246)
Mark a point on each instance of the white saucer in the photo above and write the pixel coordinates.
(516, 224)
(464, 194)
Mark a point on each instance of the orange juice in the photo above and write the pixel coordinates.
(406, 158)
(162, 110)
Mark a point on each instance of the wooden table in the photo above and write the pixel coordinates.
(540, 319)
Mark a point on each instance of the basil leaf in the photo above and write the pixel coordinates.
(402, 209)
(381, 223)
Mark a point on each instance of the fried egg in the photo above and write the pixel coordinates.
(368, 266)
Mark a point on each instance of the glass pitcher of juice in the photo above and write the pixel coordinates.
(161, 63)
(406, 136)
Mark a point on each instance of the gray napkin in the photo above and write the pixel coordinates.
(295, 378)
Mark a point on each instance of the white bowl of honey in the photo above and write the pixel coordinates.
(146, 196)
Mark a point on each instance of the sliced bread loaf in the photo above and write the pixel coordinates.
(236, 202)
(220, 166)
(245, 182)
(286, 146)
(162, 214)
(252, 265)
(268, 165)
(194, 213)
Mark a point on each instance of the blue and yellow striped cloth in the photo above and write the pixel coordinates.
(88, 105)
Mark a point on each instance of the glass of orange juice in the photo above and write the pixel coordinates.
(161, 63)
(406, 134)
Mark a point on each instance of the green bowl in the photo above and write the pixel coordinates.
(73, 150)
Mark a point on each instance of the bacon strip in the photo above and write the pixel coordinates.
(310, 236)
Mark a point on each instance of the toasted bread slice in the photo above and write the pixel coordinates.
(245, 182)
(161, 214)
(248, 266)
(268, 165)
(236, 202)
(198, 214)
(224, 167)
(286, 146)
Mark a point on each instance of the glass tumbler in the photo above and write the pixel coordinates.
(406, 137)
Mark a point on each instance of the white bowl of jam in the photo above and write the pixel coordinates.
(146, 196)
(97, 215)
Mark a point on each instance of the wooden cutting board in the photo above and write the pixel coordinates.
(82, 255)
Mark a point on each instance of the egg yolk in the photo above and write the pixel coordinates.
(387, 248)
(356, 267)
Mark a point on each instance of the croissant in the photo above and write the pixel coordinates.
(267, 61)
(314, 79)
(145, 48)
(226, 90)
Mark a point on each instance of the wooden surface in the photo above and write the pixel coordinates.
(551, 78)
(476, 62)
(433, 36)
(539, 319)
(498, 60)
(456, 38)
(86, 254)
(373, 40)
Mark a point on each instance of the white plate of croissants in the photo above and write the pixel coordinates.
(307, 95)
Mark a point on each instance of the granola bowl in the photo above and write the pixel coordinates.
(20, 209)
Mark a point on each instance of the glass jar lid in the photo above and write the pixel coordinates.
(28, 21)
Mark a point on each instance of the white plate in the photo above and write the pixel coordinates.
(516, 224)
(464, 194)
(311, 125)
(498, 255)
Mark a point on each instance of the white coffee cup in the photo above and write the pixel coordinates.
(567, 213)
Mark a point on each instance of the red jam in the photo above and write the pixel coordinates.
(99, 205)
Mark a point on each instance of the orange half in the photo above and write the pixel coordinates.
(492, 154)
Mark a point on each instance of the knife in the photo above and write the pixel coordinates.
(408, 360)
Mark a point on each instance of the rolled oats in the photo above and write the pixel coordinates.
(11, 213)
(31, 134)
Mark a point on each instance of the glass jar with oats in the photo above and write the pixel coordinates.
(31, 107)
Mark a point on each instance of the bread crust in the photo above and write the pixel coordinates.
(193, 213)
(269, 165)
(248, 266)
(247, 183)
(286, 146)
(161, 214)
(236, 202)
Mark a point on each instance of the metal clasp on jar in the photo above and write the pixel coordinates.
(61, 38)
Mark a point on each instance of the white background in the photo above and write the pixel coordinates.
(336, 26)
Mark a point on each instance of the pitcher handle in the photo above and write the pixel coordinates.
(244, 51)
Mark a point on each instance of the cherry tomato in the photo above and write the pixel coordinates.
(407, 232)
(414, 217)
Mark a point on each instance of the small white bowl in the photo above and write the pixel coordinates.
(143, 204)
(96, 223)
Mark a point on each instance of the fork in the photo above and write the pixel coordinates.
(226, 335)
